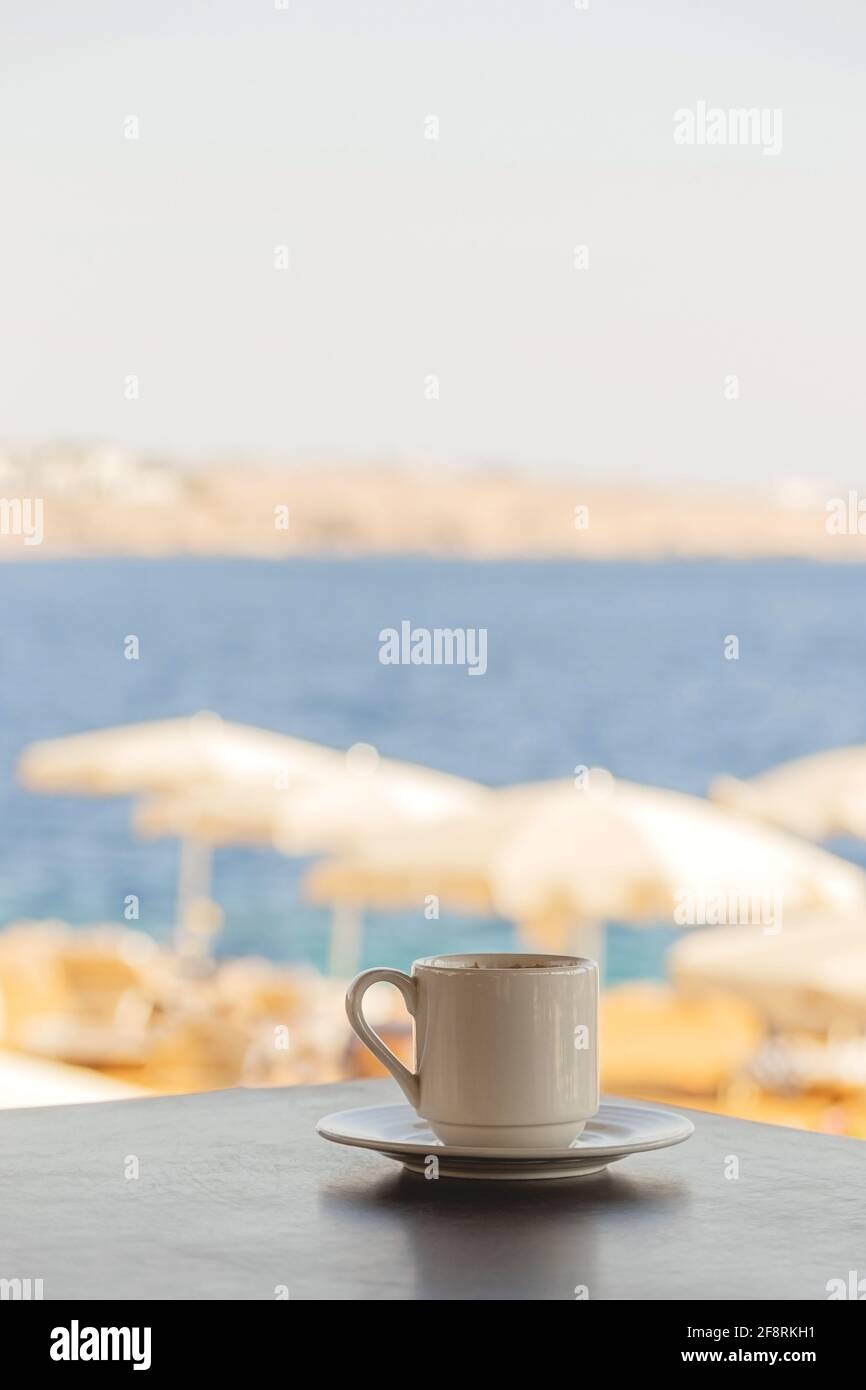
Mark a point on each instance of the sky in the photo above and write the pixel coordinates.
(433, 308)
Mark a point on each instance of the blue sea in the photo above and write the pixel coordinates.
(620, 665)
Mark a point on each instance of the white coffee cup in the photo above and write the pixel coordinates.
(506, 1052)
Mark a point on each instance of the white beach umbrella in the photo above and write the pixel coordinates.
(329, 808)
(818, 796)
(451, 859)
(811, 975)
(364, 795)
(641, 853)
(213, 813)
(550, 855)
(171, 755)
(163, 755)
(326, 805)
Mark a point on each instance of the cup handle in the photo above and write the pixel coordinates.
(407, 1080)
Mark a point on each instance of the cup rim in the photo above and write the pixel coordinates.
(533, 963)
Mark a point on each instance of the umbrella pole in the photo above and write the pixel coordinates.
(344, 956)
(193, 885)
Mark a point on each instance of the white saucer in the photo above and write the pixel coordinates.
(621, 1128)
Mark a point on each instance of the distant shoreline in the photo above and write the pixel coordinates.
(272, 514)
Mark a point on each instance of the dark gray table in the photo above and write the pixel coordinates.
(237, 1196)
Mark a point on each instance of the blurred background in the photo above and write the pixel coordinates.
(321, 320)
